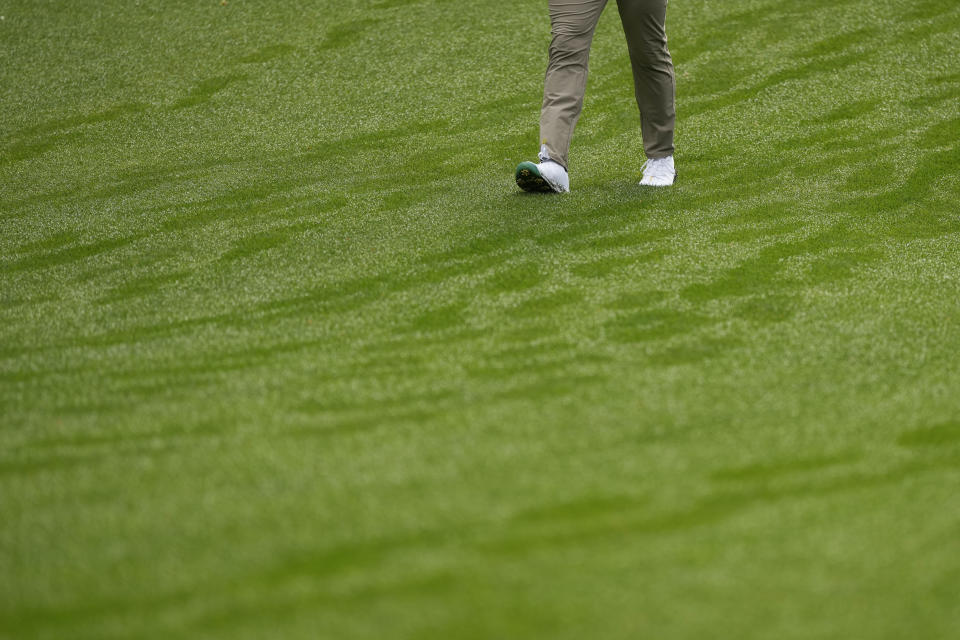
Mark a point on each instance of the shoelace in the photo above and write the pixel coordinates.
(657, 168)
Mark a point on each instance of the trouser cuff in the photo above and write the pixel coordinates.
(545, 155)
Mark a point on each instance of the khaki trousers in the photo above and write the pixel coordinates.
(572, 23)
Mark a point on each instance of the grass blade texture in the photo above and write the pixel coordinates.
(285, 353)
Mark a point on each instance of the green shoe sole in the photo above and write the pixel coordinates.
(529, 178)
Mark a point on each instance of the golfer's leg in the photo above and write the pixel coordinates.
(572, 23)
(644, 26)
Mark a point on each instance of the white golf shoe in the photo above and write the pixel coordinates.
(658, 172)
(545, 176)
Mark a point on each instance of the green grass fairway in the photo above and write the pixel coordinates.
(284, 352)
